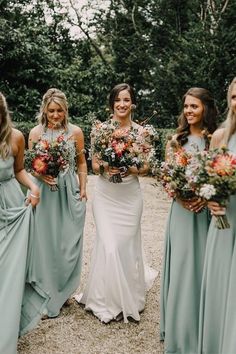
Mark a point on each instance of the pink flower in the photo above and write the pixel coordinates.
(119, 147)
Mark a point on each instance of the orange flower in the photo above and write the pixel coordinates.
(181, 158)
(224, 165)
(120, 133)
(39, 165)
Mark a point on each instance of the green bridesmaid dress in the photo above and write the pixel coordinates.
(217, 312)
(16, 229)
(59, 223)
(185, 241)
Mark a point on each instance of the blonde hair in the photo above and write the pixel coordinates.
(5, 128)
(230, 123)
(58, 97)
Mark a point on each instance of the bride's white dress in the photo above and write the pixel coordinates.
(116, 283)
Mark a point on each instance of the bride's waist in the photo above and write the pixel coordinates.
(127, 179)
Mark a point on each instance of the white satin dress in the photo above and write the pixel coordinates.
(116, 285)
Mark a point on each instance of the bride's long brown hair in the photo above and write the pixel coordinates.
(5, 128)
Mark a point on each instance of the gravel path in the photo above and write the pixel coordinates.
(78, 332)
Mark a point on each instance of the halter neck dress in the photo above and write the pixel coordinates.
(59, 224)
(185, 242)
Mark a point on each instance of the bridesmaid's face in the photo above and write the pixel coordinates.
(233, 99)
(193, 110)
(55, 114)
(122, 105)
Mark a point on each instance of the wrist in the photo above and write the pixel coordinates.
(34, 193)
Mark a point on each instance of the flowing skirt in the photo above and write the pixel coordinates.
(185, 242)
(116, 283)
(217, 311)
(57, 247)
(16, 234)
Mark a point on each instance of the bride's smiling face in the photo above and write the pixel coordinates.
(122, 105)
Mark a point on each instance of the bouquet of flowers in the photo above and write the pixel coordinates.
(120, 147)
(172, 173)
(48, 158)
(212, 175)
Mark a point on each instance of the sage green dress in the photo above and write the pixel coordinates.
(59, 223)
(217, 311)
(185, 241)
(16, 234)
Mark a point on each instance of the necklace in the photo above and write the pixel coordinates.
(55, 131)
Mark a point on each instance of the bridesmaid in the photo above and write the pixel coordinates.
(60, 217)
(15, 228)
(116, 286)
(186, 235)
(217, 311)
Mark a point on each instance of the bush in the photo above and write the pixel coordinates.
(160, 145)
(25, 128)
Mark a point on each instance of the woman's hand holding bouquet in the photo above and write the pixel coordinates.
(172, 175)
(47, 159)
(121, 148)
(212, 175)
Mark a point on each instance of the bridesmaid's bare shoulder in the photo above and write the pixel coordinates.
(217, 138)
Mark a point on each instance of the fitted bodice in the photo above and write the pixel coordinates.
(195, 143)
(6, 168)
(52, 134)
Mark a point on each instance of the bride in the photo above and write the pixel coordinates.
(116, 284)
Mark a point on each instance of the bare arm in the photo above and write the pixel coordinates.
(217, 138)
(80, 160)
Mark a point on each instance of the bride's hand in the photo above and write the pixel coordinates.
(124, 171)
(113, 170)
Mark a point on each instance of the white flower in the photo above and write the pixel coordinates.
(207, 191)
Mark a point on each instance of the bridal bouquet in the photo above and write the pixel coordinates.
(120, 147)
(48, 158)
(212, 175)
(172, 173)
